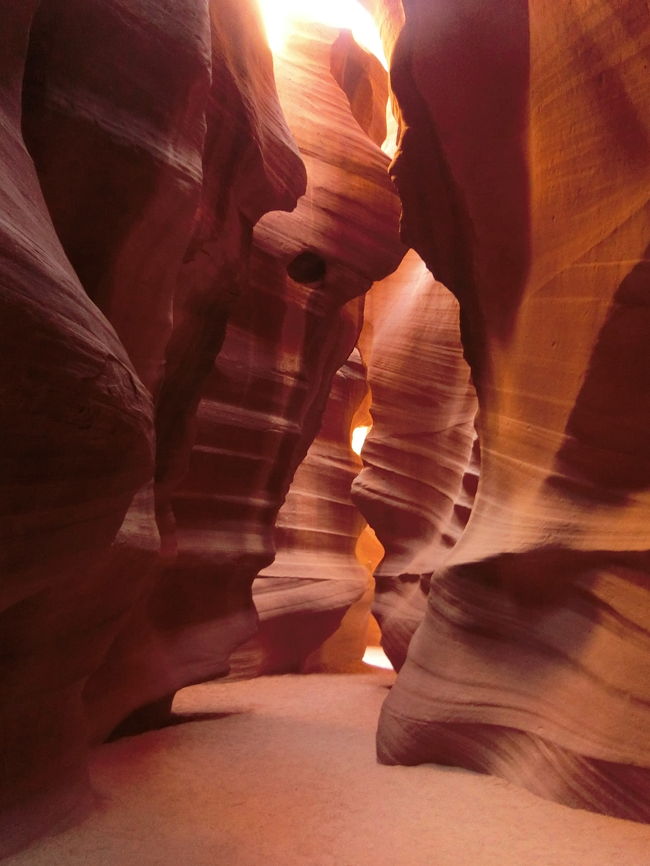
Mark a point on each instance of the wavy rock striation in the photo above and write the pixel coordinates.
(417, 453)
(524, 174)
(127, 110)
(77, 447)
(302, 597)
(179, 633)
(294, 325)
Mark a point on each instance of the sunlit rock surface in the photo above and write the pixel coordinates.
(524, 176)
(389, 17)
(417, 453)
(140, 144)
(122, 106)
(364, 81)
(296, 322)
(315, 578)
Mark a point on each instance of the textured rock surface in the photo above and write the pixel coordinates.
(423, 408)
(115, 130)
(77, 446)
(524, 175)
(364, 81)
(153, 143)
(126, 157)
(389, 17)
(177, 634)
(303, 595)
(294, 325)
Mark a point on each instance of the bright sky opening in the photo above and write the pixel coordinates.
(358, 438)
(279, 15)
(375, 656)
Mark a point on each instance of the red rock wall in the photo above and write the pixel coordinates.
(294, 325)
(303, 595)
(364, 81)
(175, 633)
(77, 446)
(417, 453)
(524, 174)
(129, 139)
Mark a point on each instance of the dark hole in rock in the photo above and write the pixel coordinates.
(307, 267)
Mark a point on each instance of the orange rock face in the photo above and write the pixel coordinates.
(303, 595)
(182, 272)
(417, 454)
(294, 325)
(364, 81)
(524, 174)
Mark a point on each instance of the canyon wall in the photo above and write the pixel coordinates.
(523, 170)
(138, 153)
(294, 325)
(315, 578)
(173, 325)
(416, 457)
(178, 633)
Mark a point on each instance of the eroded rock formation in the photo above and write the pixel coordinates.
(295, 324)
(119, 124)
(153, 291)
(175, 633)
(523, 171)
(418, 451)
(303, 595)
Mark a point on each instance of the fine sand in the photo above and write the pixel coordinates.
(282, 770)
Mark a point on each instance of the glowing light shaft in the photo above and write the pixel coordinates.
(359, 435)
(375, 656)
(279, 15)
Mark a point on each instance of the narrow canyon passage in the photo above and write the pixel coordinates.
(324, 399)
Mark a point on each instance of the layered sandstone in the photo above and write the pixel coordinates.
(179, 633)
(77, 446)
(364, 81)
(524, 174)
(417, 453)
(124, 110)
(315, 578)
(296, 322)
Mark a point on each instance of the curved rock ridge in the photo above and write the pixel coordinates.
(129, 134)
(115, 129)
(303, 595)
(296, 322)
(389, 17)
(523, 170)
(364, 81)
(412, 489)
(181, 633)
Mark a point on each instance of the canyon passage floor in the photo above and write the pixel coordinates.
(282, 770)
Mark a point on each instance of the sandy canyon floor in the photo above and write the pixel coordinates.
(282, 770)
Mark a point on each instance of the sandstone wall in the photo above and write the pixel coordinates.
(106, 204)
(418, 450)
(523, 171)
(77, 446)
(304, 594)
(294, 325)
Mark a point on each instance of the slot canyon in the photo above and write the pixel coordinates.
(325, 396)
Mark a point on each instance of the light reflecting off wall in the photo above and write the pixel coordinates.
(359, 435)
(375, 656)
(278, 16)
